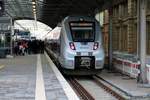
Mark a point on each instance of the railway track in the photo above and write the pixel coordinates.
(93, 89)
(86, 94)
(81, 91)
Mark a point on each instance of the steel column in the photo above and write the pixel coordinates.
(110, 39)
(11, 40)
(142, 38)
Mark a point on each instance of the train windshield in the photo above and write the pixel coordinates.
(82, 32)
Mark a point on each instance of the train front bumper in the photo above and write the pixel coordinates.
(75, 63)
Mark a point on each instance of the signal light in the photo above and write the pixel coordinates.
(72, 46)
(95, 46)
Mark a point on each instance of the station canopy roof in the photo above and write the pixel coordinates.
(51, 12)
(22, 9)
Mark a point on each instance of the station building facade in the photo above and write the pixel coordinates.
(124, 27)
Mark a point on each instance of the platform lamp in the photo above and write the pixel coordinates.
(34, 6)
(2, 7)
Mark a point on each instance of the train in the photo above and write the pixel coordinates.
(77, 45)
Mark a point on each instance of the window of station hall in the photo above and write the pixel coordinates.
(123, 7)
(116, 38)
(135, 7)
(124, 38)
(148, 37)
(148, 27)
(148, 6)
(116, 11)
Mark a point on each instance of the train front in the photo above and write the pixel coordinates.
(84, 52)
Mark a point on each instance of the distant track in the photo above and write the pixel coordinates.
(99, 80)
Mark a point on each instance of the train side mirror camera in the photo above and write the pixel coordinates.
(2, 8)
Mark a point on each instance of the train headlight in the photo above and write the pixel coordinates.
(95, 46)
(72, 46)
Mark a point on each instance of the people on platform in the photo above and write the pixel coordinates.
(24, 47)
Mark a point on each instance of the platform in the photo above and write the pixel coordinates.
(32, 77)
(127, 85)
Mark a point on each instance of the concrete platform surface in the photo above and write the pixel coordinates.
(27, 77)
(127, 84)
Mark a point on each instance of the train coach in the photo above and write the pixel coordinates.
(78, 46)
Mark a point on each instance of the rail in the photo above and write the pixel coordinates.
(85, 95)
